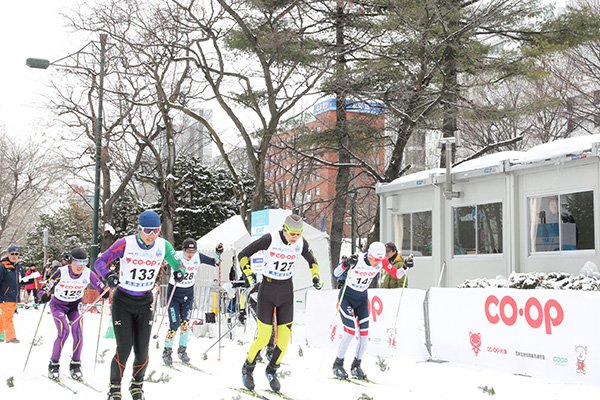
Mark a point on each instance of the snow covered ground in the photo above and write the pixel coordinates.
(309, 375)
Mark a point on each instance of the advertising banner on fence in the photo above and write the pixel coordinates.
(544, 333)
(406, 337)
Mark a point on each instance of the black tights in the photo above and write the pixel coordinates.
(132, 322)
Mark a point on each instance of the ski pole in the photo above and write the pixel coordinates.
(92, 304)
(219, 339)
(401, 293)
(339, 302)
(304, 288)
(34, 336)
(98, 340)
(166, 312)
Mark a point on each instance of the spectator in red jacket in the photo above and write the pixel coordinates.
(34, 283)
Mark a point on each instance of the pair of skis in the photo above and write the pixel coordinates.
(355, 381)
(191, 366)
(60, 383)
(260, 395)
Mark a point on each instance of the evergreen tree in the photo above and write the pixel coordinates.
(68, 227)
(205, 197)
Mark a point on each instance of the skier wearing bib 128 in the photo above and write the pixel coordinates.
(354, 305)
(140, 256)
(276, 292)
(68, 284)
(180, 310)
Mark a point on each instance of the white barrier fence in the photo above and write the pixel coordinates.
(324, 327)
(552, 334)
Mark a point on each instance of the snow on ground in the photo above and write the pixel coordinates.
(310, 374)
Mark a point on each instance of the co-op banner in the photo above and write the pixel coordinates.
(545, 333)
(392, 329)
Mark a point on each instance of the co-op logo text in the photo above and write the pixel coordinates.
(506, 310)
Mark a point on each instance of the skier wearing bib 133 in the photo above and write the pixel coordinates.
(68, 284)
(180, 309)
(354, 305)
(140, 256)
(276, 292)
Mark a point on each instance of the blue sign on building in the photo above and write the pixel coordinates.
(365, 107)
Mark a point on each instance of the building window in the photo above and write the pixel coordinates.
(562, 222)
(478, 229)
(412, 233)
(317, 191)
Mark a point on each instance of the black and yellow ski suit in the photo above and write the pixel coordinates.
(276, 291)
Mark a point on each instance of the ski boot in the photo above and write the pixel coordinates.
(168, 356)
(53, 373)
(75, 369)
(271, 373)
(183, 356)
(114, 392)
(137, 393)
(357, 371)
(338, 369)
(247, 378)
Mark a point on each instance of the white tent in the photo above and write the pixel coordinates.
(234, 236)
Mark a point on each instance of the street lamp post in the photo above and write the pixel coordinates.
(353, 222)
(44, 64)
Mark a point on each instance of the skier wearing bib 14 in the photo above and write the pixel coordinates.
(140, 257)
(354, 304)
(180, 310)
(276, 292)
(68, 284)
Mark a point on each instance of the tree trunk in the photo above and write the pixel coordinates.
(169, 203)
(343, 172)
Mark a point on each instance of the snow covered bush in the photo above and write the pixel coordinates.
(539, 280)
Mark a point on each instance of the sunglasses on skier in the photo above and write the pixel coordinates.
(294, 234)
(150, 231)
(81, 263)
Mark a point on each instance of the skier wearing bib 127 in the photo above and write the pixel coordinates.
(276, 292)
(180, 310)
(354, 305)
(68, 284)
(140, 256)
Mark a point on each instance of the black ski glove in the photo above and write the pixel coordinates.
(178, 276)
(112, 280)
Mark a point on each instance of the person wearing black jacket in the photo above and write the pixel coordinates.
(9, 293)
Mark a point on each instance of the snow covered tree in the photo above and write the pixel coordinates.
(205, 197)
(71, 226)
(68, 227)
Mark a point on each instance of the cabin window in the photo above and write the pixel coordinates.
(562, 222)
(478, 229)
(412, 232)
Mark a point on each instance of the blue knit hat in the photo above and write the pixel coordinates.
(149, 219)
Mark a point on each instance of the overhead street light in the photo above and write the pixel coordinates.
(40, 63)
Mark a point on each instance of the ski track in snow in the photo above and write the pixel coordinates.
(309, 375)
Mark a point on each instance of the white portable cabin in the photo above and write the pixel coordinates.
(532, 211)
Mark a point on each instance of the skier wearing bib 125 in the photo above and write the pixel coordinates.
(180, 310)
(276, 292)
(354, 305)
(68, 284)
(140, 256)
